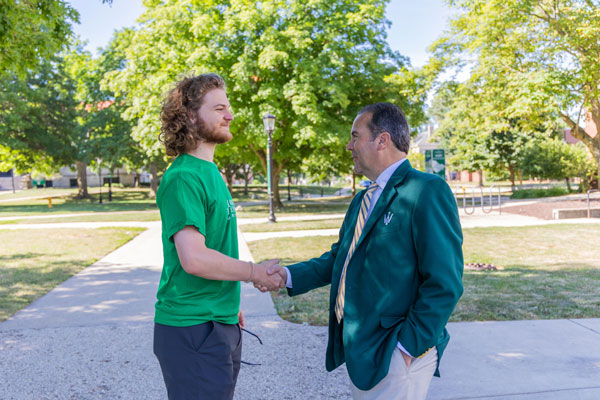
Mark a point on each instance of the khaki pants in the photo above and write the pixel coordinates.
(402, 383)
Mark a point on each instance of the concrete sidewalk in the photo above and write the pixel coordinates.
(91, 338)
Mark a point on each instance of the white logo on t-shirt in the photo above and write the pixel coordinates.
(230, 210)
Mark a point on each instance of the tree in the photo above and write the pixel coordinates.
(486, 120)
(547, 51)
(59, 116)
(32, 31)
(552, 158)
(312, 64)
(108, 134)
(459, 129)
(38, 118)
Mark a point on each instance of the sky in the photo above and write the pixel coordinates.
(415, 24)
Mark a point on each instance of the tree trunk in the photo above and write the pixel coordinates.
(110, 184)
(568, 185)
(289, 181)
(246, 169)
(229, 172)
(276, 195)
(520, 177)
(588, 135)
(511, 170)
(598, 176)
(136, 179)
(153, 179)
(481, 178)
(353, 183)
(82, 187)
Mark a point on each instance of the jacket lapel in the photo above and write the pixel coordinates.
(388, 194)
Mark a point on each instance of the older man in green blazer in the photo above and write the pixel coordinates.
(396, 269)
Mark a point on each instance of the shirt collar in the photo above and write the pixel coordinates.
(387, 173)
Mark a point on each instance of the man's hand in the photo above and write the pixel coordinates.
(265, 281)
(241, 319)
(274, 269)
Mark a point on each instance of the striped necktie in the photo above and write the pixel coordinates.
(360, 224)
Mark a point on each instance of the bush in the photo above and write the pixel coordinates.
(536, 193)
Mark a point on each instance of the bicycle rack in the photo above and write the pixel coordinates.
(482, 202)
(471, 209)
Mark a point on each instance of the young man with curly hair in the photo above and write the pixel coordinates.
(197, 334)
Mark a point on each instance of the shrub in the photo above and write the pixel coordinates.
(536, 193)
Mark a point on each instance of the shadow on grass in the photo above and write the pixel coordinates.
(24, 284)
(19, 256)
(519, 293)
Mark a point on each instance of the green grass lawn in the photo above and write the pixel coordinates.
(130, 199)
(335, 223)
(304, 207)
(550, 271)
(33, 262)
(7, 195)
(259, 192)
(123, 200)
(152, 215)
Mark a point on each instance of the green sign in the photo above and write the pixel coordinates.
(435, 162)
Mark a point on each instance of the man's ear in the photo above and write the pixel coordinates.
(383, 140)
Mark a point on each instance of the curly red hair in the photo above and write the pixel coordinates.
(177, 131)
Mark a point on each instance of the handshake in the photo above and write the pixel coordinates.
(268, 275)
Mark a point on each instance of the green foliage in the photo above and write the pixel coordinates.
(33, 31)
(537, 193)
(60, 115)
(530, 60)
(100, 111)
(417, 160)
(554, 159)
(312, 64)
(38, 118)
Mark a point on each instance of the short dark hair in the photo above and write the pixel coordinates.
(388, 117)
(177, 131)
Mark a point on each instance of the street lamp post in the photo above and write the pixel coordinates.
(269, 123)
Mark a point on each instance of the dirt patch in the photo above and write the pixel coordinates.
(544, 209)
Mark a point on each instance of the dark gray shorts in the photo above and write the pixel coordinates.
(200, 361)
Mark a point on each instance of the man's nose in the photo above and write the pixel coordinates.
(229, 116)
(349, 146)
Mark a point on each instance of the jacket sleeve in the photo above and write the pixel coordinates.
(437, 240)
(317, 272)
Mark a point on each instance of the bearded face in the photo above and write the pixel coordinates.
(211, 121)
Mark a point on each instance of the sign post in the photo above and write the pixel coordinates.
(435, 162)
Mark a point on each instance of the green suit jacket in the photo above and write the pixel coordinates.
(402, 282)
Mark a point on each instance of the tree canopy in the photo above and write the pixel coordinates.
(539, 57)
(32, 31)
(312, 64)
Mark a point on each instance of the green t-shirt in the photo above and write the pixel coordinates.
(192, 192)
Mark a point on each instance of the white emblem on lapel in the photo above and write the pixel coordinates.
(387, 218)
